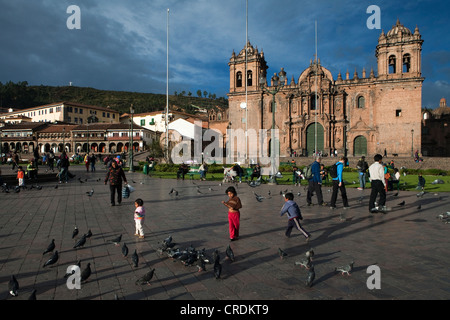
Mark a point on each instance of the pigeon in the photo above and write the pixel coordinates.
(217, 269)
(73, 271)
(420, 194)
(79, 179)
(444, 216)
(281, 253)
(80, 242)
(201, 264)
(304, 263)
(168, 240)
(216, 256)
(32, 295)
(172, 191)
(310, 277)
(145, 279)
(401, 203)
(89, 234)
(135, 259)
(50, 247)
(53, 259)
(395, 194)
(345, 269)
(117, 240)
(310, 254)
(75, 232)
(90, 193)
(419, 207)
(17, 189)
(86, 273)
(13, 286)
(124, 250)
(230, 254)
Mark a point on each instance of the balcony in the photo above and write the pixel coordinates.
(139, 138)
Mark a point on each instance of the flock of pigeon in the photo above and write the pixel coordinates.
(190, 256)
(13, 284)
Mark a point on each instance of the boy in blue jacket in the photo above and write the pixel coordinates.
(338, 184)
(294, 215)
(315, 184)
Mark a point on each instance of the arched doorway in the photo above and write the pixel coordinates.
(311, 138)
(360, 146)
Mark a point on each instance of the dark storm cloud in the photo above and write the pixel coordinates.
(122, 44)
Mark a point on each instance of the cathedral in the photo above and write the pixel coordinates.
(352, 115)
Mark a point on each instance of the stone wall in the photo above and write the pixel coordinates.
(427, 163)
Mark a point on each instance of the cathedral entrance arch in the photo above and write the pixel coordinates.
(360, 146)
(311, 138)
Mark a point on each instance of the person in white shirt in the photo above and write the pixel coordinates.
(376, 172)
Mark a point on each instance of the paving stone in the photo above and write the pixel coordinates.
(406, 245)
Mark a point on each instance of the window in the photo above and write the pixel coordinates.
(239, 79)
(76, 110)
(361, 102)
(313, 101)
(392, 64)
(142, 122)
(398, 113)
(406, 63)
(81, 111)
(249, 78)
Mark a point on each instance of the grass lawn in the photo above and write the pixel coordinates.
(408, 182)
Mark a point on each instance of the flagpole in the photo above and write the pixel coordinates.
(167, 92)
(246, 83)
(315, 93)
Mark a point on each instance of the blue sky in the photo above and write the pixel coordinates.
(122, 44)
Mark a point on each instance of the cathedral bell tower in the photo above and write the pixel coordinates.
(399, 53)
(239, 72)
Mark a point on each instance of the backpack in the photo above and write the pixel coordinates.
(308, 172)
(333, 171)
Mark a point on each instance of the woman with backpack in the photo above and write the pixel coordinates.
(338, 183)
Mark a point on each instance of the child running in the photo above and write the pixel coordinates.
(294, 215)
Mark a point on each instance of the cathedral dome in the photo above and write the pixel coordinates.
(399, 28)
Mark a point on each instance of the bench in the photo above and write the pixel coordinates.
(193, 171)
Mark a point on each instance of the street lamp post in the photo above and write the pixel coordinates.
(277, 85)
(412, 143)
(131, 140)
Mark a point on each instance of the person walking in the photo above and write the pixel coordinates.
(64, 165)
(21, 177)
(362, 167)
(234, 215)
(92, 161)
(139, 217)
(315, 183)
(338, 184)
(376, 173)
(294, 215)
(115, 176)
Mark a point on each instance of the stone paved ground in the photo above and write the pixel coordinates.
(409, 246)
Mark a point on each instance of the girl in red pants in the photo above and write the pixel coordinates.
(233, 205)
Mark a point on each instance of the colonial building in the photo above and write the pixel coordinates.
(359, 115)
(64, 112)
(96, 137)
(436, 131)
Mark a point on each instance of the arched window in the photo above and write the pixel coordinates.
(406, 63)
(249, 78)
(392, 64)
(239, 79)
(361, 102)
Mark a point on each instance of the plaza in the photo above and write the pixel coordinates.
(408, 245)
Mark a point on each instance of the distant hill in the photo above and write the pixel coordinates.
(21, 96)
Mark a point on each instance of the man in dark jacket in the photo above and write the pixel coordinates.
(315, 183)
(115, 176)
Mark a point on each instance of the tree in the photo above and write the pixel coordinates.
(199, 93)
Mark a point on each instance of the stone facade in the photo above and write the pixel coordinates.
(362, 115)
